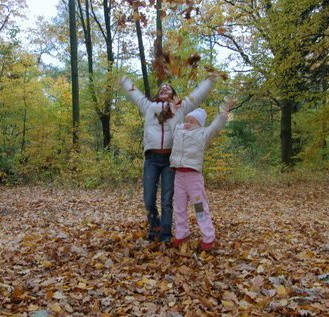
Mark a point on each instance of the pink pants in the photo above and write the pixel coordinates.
(189, 186)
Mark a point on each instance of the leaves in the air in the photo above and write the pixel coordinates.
(83, 253)
(169, 65)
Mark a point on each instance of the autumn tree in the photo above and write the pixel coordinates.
(74, 71)
(85, 16)
(43, 43)
(158, 43)
(25, 118)
(138, 17)
(273, 39)
(98, 19)
(10, 10)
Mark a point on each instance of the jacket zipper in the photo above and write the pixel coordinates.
(162, 132)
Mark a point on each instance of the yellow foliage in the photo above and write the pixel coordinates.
(313, 130)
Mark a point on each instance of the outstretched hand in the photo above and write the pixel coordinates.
(175, 104)
(122, 79)
(229, 105)
(214, 73)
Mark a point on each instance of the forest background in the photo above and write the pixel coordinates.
(275, 54)
(72, 220)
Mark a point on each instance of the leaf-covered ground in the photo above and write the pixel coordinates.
(82, 253)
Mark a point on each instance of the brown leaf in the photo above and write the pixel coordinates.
(64, 253)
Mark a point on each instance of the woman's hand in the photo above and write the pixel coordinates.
(175, 103)
(214, 74)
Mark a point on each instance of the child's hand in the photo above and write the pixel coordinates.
(229, 105)
(226, 108)
(122, 79)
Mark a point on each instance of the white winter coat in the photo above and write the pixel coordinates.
(156, 135)
(189, 145)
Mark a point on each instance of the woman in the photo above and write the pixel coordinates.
(158, 140)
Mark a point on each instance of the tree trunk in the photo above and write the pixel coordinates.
(24, 128)
(158, 49)
(106, 114)
(325, 124)
(106, 129)
(142, 56)
(24, 118)
(286, 133)
(74, 72)
(89, 48)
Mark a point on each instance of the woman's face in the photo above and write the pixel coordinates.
(165, 93)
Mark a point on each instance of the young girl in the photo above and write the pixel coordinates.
(157, 148)
(190, 141)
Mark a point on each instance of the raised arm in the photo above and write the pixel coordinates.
(219, 122)
(134, 94)
(178, 118)
(192, 101)
(197, 96)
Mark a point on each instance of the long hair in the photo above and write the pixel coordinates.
(166, 112)
(156, 97)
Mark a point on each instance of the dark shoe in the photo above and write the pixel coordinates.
(153, 234)
(166, 238)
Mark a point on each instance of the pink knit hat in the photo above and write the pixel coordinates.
(199, 114)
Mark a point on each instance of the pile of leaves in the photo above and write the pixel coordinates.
(83, 253)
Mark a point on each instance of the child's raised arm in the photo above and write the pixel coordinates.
(220, 120)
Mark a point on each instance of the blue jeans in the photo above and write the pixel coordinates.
(156, 167)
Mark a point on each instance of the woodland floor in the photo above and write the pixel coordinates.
(82, 253)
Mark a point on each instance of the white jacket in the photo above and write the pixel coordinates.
(189, 145)
(156, 135)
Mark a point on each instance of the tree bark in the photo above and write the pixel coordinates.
(325, 127)
(89, 48)
(286, 133)
(105, 116)
(158, 49)
(105, 128)
(142, 56)
(74, 72)
(104, 113)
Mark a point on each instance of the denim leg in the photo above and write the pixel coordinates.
(167, 191)
(150, 183)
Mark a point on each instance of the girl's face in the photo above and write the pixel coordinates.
(165, 93)
(190, 123)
